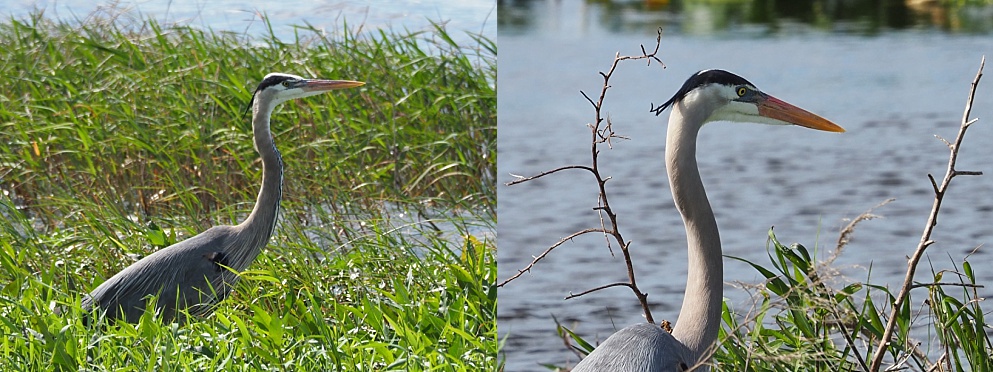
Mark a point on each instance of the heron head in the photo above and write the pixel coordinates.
(724, 96)
(278, 88)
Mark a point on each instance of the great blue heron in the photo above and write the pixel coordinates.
(709, 95)
(196, 273)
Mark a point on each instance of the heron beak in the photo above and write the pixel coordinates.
(772, 107)
(318, 85)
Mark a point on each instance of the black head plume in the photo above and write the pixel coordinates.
(251, 102)
(700, 79)
(268, 81)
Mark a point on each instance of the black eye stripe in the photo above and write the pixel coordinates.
(268, 82)
(273, 80)
(700, 79)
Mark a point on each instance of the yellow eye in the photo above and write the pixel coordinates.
(287, 84)
(742, 91)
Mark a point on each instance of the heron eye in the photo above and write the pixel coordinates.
(286, 83)
(742, 91)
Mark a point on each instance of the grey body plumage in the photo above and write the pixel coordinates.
(191, 267)
(197, 273)
(636, 348)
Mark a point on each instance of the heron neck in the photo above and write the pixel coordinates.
(259, 225)
(699, 318)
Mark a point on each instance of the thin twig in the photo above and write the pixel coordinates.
(939, 193)
(605, 286)
(549, 250)
(602, 132)
(851, 342)
(522, 179)
(604, 136)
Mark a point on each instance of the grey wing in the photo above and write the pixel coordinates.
(641, 347)
(184, 274)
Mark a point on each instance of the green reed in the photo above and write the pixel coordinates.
(117, 140)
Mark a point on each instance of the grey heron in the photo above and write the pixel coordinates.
(196, 273)
(709, 95)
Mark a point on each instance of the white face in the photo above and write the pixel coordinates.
(745, 103)
(718, 95)
(734, 103)
(291, 88)
(279, 87)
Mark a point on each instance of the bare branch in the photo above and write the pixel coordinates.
(549, 250)
(602, 132)
(590, 100)
(588, 291)
(943, 140)
(968, 173)
(939, 192)
(521, 179)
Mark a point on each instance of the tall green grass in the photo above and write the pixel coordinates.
(120, 139)
(801, 323)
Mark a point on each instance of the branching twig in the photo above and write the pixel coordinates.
(522, 179)
(605, 286)
(549, 250)
(939, 193)
(602, 133)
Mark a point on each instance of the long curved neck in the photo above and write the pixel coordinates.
(258, 227)
(699, 318)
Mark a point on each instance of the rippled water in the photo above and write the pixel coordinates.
(892, 92)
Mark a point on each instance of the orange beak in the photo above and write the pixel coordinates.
(325, 85)
(772, 107)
